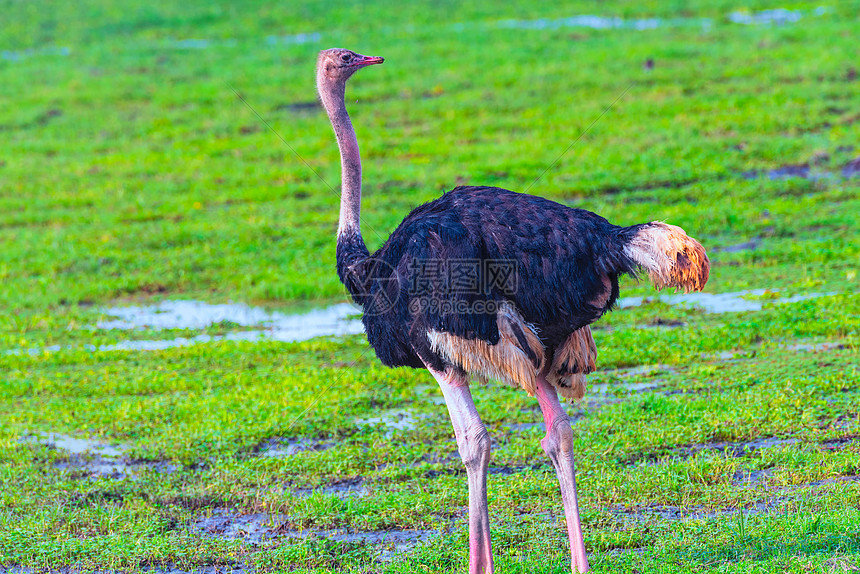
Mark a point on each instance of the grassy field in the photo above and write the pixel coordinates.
(131, 173)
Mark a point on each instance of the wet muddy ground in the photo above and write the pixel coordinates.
(333, 321)
(811, 172)
(168, 447)
(246, 323)
(89, 458)
(264, 528)
(771, 17)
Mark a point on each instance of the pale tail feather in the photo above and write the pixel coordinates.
(670, 256)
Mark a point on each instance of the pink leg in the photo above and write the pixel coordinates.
(558, 445)
(474, 446)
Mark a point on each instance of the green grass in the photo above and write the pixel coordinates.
(130, 172)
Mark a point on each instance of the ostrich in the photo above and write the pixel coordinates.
(487, 283)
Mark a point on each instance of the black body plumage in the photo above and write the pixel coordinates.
(562, 258)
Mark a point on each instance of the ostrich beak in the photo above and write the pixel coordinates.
(370, 60)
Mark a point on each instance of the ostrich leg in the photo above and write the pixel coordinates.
(558, 445)
(473, 443)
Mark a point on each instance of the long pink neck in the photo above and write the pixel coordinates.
(332, 96)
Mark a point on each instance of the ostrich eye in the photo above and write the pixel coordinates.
(346, 57)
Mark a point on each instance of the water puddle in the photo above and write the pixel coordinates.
(74, 445)
(246, 323)
(778, 16)
(306, 38)
(391, 420)
(263, 528)
(593, 22)
(189, 315)
(203, 44)
(334, 321)
(174, 44)
(735, 302)
(724, 355)
(815, 347)
(193, 44)
(96, 459)
(18, 55)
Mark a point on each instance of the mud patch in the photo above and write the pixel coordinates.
(281, 448)
(815, 347)
(751, 479)
(230, 569)
(603, 393)
(750, 245)
(508, 470)
(838, 443)
(264, 529)
(256, 528)
(801, 171)
(95, 459)
(730, 356)
(349, 488)
(790, 171)
(523, 427)
(728, 449)
(608, 388)
(648, 513)
(302, 108)
(830, 481)
(735, 449)
(638, 371)
(767, 505)
(660, 323)
(852, 168)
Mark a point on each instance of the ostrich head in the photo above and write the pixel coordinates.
(336, 65)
